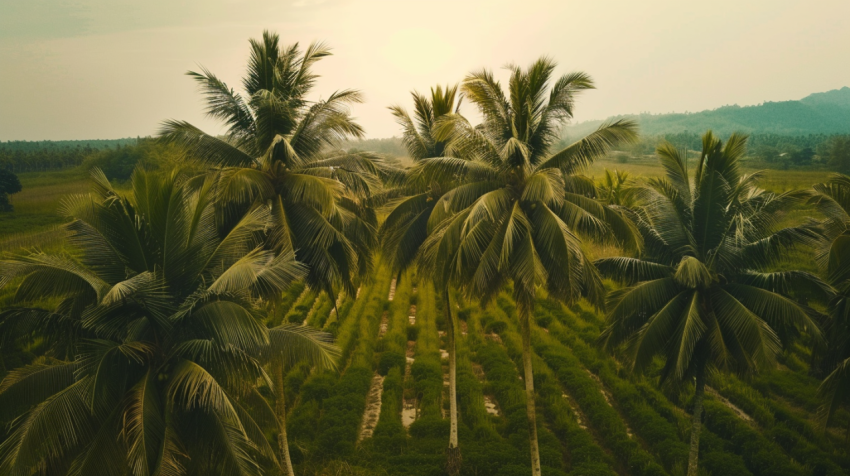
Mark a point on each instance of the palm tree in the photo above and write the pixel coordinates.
(618, 188)
(514, 210)
(405, 228)
(150, 338)
(279, 149)
(418, 136)
(700, 294)
(833, 201)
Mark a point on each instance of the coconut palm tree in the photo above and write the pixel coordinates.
(405, 228)
(514, 209)
(702, 293)
(280, 149)
(618, 188)
(150, 338)
(418, 134)
(833, 201)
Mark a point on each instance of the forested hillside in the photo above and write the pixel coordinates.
(819, 113)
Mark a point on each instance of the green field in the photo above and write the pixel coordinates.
(384, 411)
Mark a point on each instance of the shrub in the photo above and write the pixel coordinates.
(390, 360)
(543, 320)
(761, 456)
(496, 327)
(604, 418)
(412, 333)
(390, 436)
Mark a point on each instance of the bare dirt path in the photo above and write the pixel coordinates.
(373, 408)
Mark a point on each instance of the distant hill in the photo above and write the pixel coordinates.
(819, 113)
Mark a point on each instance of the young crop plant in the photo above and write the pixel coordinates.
(650, 414)
(427, 369)
(280, 308)
(584, 455)
(298, 312)
(320, 387)
(342, 412)
(503, 380)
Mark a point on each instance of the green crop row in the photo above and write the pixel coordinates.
(603, 418)
(320, 387)
(392, 346)
(390, 437)
(317, 316)
(427, 369)
(656, 421)
(630, 397)
(333, 323)
(762, 456)
(798, 437)
(299, 311)
(503, 382)
(287, 300)
(342, 412)
(585, 456)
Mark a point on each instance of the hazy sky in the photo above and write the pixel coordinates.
(87, 69)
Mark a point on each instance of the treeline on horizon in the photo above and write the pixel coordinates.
(118, 157)
(36, 156)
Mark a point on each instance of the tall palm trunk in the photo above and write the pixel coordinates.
(525, 310)
(454, 459)
(280, 411)
(696, 423)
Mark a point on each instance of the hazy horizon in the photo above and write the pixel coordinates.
(90, 69)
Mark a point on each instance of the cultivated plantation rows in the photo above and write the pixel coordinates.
(386, 408)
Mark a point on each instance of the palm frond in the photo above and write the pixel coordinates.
(290, 344)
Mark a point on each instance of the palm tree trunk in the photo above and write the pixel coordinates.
(525, 311)
(280, 411)
(454, 459)
(696, 423)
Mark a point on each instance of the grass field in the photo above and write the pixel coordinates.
(36, 206)
(772, 179)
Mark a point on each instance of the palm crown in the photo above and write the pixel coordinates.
(833, 201)
(512, 209)
(153, 346)
(405, 228)
(703, 291)
(279, 150)
(418, 134)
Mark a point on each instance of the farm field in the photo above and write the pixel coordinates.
(384, 411)
(386, 275)
(37, 205)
